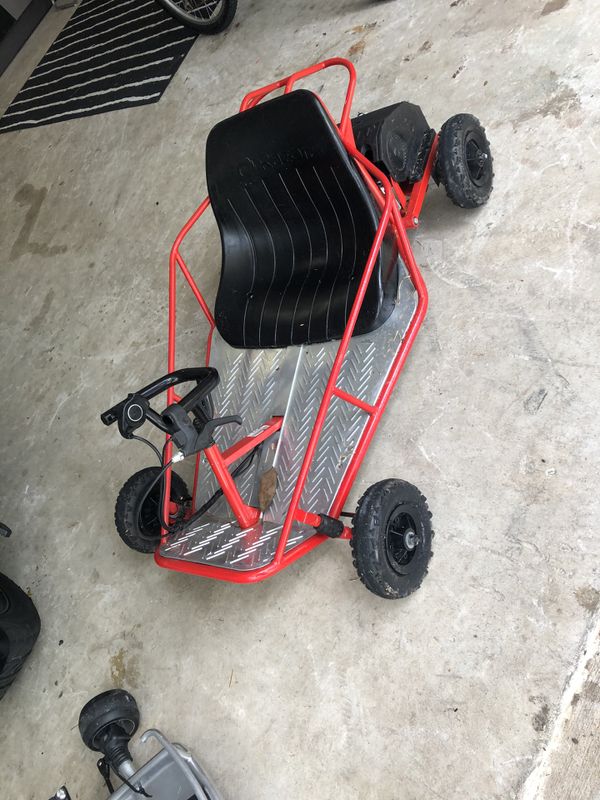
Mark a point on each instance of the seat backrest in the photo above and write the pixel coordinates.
(297, 223)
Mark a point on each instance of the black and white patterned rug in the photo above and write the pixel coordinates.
(111, 54)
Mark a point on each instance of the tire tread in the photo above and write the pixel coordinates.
(20, 624)
(126, 507)
(451, 167)
(366, 555)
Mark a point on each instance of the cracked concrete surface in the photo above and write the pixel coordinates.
(306, 685)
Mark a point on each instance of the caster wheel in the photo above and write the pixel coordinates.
(139, 527)
(108, 721)
(464, 161)
(391, 540)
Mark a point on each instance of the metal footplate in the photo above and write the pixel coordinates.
(290, 382)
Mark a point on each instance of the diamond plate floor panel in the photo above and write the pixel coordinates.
(259, 384)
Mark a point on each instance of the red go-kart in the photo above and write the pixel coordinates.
(319, 302)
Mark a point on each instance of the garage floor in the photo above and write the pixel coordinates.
(307, 685)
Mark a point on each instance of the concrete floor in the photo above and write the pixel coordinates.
(307, 685)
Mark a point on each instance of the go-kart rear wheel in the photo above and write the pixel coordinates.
(139, 527)
(391, 540)
(116, 707)
(464, 161)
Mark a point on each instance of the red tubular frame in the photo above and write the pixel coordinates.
(399, 213)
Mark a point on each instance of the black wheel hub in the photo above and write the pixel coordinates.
(113, 734)
(477, 158)
(149, 514)
(149, 519)
(402, 539)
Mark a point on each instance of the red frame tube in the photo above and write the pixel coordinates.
(248, 443)
(399, 211)
(245, 515)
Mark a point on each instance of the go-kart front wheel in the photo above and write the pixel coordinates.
(464, 161)
(391, 539)
(137, 522)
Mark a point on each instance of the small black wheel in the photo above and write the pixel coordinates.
(139, 527)
(464, 161)
(19, 629)
(114, 707)
(391, 540)
(202, 16)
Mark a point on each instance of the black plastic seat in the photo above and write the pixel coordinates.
(297, 223)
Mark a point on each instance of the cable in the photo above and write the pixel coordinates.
(161, 504)
(159, 477)
(241, 468)
(145, 441)
(137, 789)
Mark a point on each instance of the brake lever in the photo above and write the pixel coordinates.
(192, 437)
(212, 424)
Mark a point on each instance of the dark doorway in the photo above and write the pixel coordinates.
(18, 20)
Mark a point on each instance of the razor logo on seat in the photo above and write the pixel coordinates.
(273, 162)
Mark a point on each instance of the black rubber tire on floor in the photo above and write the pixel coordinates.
(143, 535)
(114, 707)
(376, 546)
(19, 629)
(468, 182)
(207, 27)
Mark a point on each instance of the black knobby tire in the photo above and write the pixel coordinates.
(19, 629)
(464, 161)
(140, 528)
(220, 19)
(391, 540)
(114, 707)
